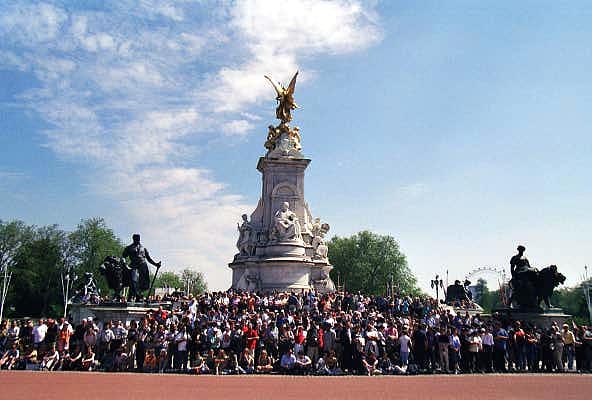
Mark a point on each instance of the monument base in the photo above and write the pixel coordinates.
(125, 312)
(543, 319)
(281, 274)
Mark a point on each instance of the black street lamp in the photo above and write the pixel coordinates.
(437, 284)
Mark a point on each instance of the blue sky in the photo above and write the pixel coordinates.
(461, 128)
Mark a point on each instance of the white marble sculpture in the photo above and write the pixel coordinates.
(245, 237)
(286, 225)
(318, 241)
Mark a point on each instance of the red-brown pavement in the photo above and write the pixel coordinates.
(16, 385)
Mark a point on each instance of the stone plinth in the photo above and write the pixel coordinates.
(282, 273)
(543, 319)
(125, 312)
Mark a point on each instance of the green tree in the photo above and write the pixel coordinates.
(193, 281)
(480, 290)
(36, 273)
(366, 261)
(13, 236)
(44, 259)
(573, 302)
(90, 243)
(168, 280)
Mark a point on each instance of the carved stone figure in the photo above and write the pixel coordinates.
(140, 276)
(286, 225)
(253, 281)
(322, 281)
(530, 286)
(246, 237)
(318, 241)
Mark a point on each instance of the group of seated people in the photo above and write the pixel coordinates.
(297, 333)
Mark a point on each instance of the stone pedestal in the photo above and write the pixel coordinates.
(543, 319)
(125, 312)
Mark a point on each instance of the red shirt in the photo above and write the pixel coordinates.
(252, 337)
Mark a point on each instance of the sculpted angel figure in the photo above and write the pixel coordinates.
(285, 99)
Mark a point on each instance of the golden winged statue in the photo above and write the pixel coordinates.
(285, 99)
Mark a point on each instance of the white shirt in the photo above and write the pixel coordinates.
(487, 339)
(13, 332)
(107, 335)
(181, 340)
(404, 342)
(39, 332)
(70, 329)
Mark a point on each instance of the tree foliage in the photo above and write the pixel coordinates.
(573, 302)
(488, 299)
(13, 235)
(168, 280)
(366, 261)
(480, 290)
(89, 244)
(35, 282)
(570, 299)
(42, 257)
(193, 281)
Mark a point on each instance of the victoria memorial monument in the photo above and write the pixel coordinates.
(281, 246)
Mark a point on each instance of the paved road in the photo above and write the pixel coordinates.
(85, 386)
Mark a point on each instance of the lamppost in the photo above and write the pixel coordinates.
(6, 276)
(389, 286)
(437, 284)
(586, 287)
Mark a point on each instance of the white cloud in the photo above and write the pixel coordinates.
(238, 127)
(32, 23)
(162, 8)
(277, 33)
(132, 88)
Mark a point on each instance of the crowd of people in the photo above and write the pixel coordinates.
(298, 333)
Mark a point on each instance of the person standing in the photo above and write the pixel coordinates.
(487, 353)
(475, 347)
(39, 332)
(454, 350)
(181, 346)
(500, 342)
(569, 342)
(520, 346)
(405, 343)
(557, 340)
(420, 346)
(312, 342)
(443, 339)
